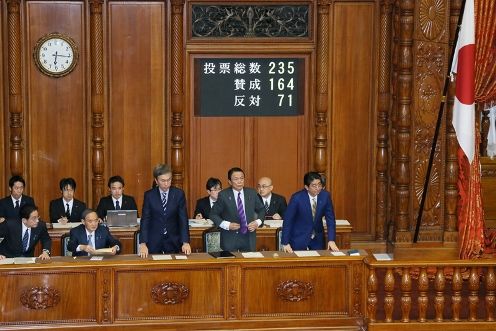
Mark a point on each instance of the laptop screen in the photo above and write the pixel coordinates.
(122, 218)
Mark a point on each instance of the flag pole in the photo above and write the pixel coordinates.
(438, 125)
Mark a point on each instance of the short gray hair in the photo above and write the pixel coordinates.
(161, 169)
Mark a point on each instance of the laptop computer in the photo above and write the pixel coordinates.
(122, 218)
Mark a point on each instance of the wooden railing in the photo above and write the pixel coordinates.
(439, 295)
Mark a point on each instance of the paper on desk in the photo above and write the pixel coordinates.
(273, 223)
(338, 254)
(306, 253)
(162, 257)
(251, 255)
(7, 261)
(383, 257)
(96, 258)
(181, 257)
(68, 225)
(18, 260)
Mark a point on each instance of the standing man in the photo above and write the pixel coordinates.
(21, 237)
(11, 204)
(66, 209)
(275, 204)
(302, 228)
(117, 199)
(164, 223)
(204, 205)
(238, 212)
(86, 238)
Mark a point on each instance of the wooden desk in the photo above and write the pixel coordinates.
(266, 238)
(129, 293)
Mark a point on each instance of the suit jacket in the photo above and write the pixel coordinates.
(11, 245)
(58, 207)
(203, 207)
(7, 209)
(106, 203)
(155, 220)
(103, 239)
(277, 206)
(225, 209)
(298, 223)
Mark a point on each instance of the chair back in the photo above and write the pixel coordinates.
(211, 240)
(136, 241)
(278, 239)
(64, 240)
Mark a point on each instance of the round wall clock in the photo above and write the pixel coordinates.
(56, 54)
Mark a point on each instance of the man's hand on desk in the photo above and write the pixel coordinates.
(44, 256)
(115, 249)
(331, 245)
(143, 250)
(276, 216)
(199, 216)
(186, 249)
(2, 219)
(252, 226)
(63, 220)
(88, 249)
(2, 257)
(234, 226)
(287, 248)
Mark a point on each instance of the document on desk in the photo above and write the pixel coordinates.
(181, 257)
(252, 255)
(306, 253)
(338, 254)
(96, 258)
(18, 260)
(383, 257)
(161, 257)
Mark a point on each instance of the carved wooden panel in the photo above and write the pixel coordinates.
(169, 293)
(56, 108)
(48, 296)
(137, 115)
(297, 290)
(352, 109)
(488, 184)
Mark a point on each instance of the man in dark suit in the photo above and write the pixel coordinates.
(11, 204)
(164, 224)
(204, 205)
(238, 212)
(275, 204)
(21, 237)
(90, 236)
(66, 209)
(302, 228)
(117, 199)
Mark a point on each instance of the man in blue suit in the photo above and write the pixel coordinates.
(86, 238)
(164, 224)
(302, 227)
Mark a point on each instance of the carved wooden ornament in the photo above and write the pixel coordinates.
(40, 297)
(169, 293)
(294, 290)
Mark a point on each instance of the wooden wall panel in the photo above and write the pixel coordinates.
(56, 125)
(352, 121)
(3, 107)
(137, 119)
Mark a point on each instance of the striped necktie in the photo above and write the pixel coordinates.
(25, 240)
(242, 217)
(266, 207)
(314, 207)
(164, 201)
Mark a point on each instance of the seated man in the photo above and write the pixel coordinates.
(11, 204)
(21, 237)
(116, 200)
(66, 209)
(84, 239)
(275, 204)
(204, 205)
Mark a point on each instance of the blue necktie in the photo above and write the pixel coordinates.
(17, 204)
(117, 206)
(164, 200)
(25, 240)
(89, 240)
(242, 217)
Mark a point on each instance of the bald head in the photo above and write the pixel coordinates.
(264, 187)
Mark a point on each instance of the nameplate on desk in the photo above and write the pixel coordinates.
(306, 253)
(252, 255)
(157, 257)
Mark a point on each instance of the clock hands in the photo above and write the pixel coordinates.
(58, 55)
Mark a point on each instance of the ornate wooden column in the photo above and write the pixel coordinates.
(384, 105)
(97, 106)
(177, 124)
(322, 96)
(403, 122)
(451, 169)
(15, 87)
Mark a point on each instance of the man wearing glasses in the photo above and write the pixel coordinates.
(302, 228)
(20, 238)
(204, 205)
(275, 204)
(164, 224)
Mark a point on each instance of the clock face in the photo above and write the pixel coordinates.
(56, 55)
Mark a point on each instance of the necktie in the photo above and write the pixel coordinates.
(164, 200)
(17, 204)
(314, 208)
(242, 217)
(89, 240)
(117, 205)
(266, 207)
(67, 211)
(25, 240)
